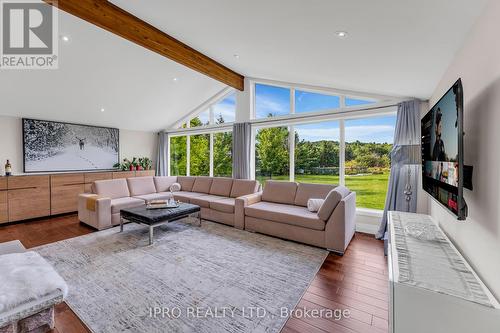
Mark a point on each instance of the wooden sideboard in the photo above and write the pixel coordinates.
(31, 196)
(4, 203)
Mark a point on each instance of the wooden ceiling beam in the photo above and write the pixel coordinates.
(108, 16)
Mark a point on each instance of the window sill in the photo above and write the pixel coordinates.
(369, 212)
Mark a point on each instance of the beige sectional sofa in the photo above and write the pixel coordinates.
(281, 211)
(215, 196)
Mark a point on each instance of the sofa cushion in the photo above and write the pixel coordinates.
(279, 192)
(287, 214)
(332, 200)
(185, 197)
(204, 200)
(186, 183)
(221, 186)
(112, 188)
(202, 184)
(311, 191)
(225, 205)
(243, 187)
(141, 185)
(155, 196)
(163, 183)
(122, 203)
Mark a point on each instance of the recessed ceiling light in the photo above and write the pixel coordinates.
(175, 79)
(65, 38)
(237, 56)
(341, 34)
(102, 110)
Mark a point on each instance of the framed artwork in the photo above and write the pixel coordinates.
(50, 146)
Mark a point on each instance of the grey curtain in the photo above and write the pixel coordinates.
(241, 150)
(162, 156)
(405, 163)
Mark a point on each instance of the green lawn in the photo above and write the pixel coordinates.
(370, 189)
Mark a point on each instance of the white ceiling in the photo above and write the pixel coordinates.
(394, 47)
(100, 70)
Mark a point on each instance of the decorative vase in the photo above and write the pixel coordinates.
(138, 168)
(131, 168)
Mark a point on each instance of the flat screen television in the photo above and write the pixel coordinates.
(443, 151)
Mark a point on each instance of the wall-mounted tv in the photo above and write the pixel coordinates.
(51, 146)
(443, 152)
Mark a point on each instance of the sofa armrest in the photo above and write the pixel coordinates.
(239, 207)
(100, 218)
(341, 225)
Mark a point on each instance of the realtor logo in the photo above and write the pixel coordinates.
(29, 35)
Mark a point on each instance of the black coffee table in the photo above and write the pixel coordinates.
(156, 217)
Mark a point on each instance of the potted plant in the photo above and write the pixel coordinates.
(145, 163)
(134, 164)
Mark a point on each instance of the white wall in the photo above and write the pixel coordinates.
(11, 143)
(478, 64)
(138, 144)
(132, 143)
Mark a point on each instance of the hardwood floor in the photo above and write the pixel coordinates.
(356, 282)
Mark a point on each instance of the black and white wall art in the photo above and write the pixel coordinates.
(54, 146)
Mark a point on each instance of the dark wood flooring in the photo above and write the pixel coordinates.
(356, 282)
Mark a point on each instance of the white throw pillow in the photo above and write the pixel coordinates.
(314, 204)
(175, 187)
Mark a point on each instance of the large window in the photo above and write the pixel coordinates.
(220, 112)
(272, 154)
(178, 156)
(311, 102)
(201, 159)
(199, 155)
(271, 101)
(225, 110)
(201, 119)
(357, 102)
(223, 157)
(367, 159)
(320, 136)
(317, 156)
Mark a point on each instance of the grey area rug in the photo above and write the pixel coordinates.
(210, 279)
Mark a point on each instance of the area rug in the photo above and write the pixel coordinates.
(212, 278)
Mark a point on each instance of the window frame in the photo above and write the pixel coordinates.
(341, 119)
(207, 106)
(383, 106)
(188, 134)
(378, 100)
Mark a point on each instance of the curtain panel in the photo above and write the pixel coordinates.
(242, 133)
(162, 155)
(405, 163)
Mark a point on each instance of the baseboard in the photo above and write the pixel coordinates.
(366, 228)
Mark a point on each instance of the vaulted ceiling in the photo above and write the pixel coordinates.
(98, 69)
(393, 47)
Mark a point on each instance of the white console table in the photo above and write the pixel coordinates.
(432, 287)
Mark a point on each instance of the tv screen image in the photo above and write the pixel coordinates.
(442, 151)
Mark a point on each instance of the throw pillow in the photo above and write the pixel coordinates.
(314, 204)
(175, 187)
